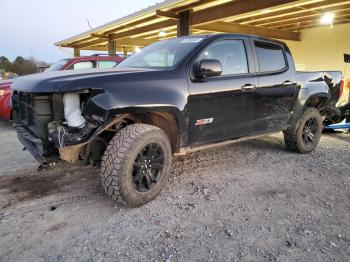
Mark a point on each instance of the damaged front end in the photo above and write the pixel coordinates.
(52, 126)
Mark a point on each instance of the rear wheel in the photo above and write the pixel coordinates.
(305, 137)
(136, 164)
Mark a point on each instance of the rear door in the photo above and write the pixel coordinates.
(222, 107)
(276, 92)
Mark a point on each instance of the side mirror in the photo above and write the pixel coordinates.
(209, 68)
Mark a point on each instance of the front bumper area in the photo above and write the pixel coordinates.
(33, 144)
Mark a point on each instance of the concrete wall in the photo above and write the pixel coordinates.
(323, 48)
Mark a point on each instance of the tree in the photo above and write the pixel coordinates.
(23, 66)
(5, 64)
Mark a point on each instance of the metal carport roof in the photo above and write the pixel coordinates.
(282, 19)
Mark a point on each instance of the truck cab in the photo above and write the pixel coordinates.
(255, 92)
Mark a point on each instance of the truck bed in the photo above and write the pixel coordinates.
(330, 79)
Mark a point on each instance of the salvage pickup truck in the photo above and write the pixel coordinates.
(175, 96)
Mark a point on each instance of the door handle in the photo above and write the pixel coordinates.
(248, 87)
(287, 83)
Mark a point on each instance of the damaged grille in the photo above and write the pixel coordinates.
(35, 111)
(26, 107)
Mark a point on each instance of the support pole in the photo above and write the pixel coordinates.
(125, 51)
(111, 47)
(183, 24)
(76, 52)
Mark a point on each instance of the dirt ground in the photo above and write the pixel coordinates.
(252, 201)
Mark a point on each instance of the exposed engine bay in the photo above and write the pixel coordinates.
(53, 126)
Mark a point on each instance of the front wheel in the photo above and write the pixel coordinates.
(136, 164)
(306, 136)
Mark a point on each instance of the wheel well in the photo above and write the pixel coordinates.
(165, 121)
(316, 102)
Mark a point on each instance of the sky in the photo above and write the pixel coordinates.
(31, 27)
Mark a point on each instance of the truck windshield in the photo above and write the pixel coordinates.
(57, 66)
(162, 54)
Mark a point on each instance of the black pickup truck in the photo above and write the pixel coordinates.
(175, 96)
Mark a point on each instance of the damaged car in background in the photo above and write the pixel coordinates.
(175, 96)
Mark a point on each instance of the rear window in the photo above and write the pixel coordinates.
(270, 57)
(82, 65)
(107, 64)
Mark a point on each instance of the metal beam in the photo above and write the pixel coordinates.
(296, 11)
(225, 27)
(102, 48)
(100, 36)
(314, 23)
(130, 25)
(90, 43)
(233, 8)
(121, 41)
(143, 29)
(307, 20)
(134, 42)
(191, 6)
(170, 15)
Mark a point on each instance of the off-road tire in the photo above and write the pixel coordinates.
(293, 137)
(118, 160)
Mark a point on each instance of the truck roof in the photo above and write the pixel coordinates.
(238, 35)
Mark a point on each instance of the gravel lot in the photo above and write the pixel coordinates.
(252, 201)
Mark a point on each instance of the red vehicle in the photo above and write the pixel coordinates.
(83, 62)
(5, 97)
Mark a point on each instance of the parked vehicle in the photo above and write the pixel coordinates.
(175, 96)
(5, 99)
(83, 62)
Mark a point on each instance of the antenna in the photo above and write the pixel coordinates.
(66, 51)
(88, 22)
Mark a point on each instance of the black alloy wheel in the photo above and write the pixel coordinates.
(148, 167)
(310, 131)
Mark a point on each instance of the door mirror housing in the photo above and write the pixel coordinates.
(209, 68)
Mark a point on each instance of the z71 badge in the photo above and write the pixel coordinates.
(204, 121)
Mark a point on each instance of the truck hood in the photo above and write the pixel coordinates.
(67, 81)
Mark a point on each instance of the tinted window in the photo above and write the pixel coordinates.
(107, 64)
(231, 54)
(270, 57)
(82, 65)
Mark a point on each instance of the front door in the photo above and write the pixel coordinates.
(222, 107)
